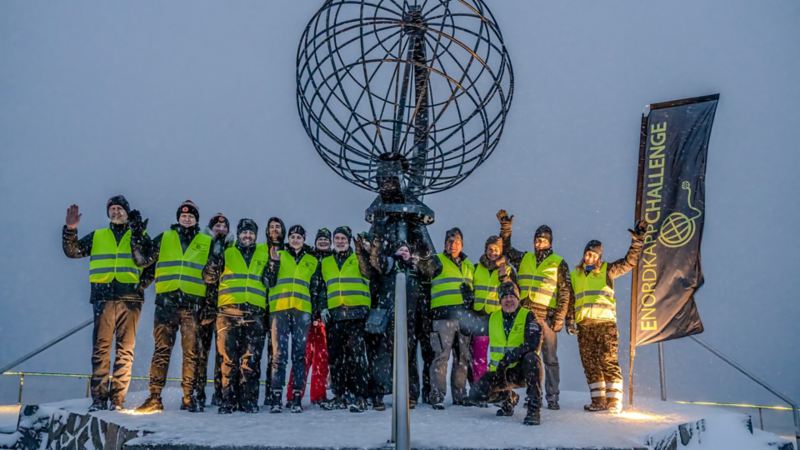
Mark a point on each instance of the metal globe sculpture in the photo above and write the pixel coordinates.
(425, 85)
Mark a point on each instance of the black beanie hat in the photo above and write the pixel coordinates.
(189, 207)
(118, 200)
(508, 288)
(545, 232)
(247, 225)
(345, 230)
(219, 218)
(323, 233)
(595, 246)
(455, 231)
(297, 229)
(492, 240)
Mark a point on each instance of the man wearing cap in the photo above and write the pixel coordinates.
(117, 293)
(218, 228)
(544, 284)
(180, 254)
(276, 236)
(451, 276)
(594, 312)
(317, 341)
(241, 306)
(294, 286)
(514, 336)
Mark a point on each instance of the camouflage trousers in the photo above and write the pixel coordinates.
(598, 343)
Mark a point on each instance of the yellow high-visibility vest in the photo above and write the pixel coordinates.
(109, 261)
(241, 283)
(446, 287)
(499, 343)
(539, 283)
(291, 291)
(178, 270)
(345, 286)
(486, 284)
(594, 298)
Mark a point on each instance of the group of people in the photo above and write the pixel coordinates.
(496, 319)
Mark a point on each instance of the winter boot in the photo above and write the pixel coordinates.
(98, 405)
(358, 406)
(224, 409)
(507, 405)
(297, 398)
(614, 405)
(275, 401)
(188, 403)
(553, 405)
(533, 417)
(152, 404)
(377, 403)
(598, 404)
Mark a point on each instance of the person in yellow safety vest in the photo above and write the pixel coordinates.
(346, 306)
(451, 295)
(117, 293)
(294, 291)
(240, 270)
(545, 289)
(179, 254)
(490, 272)
(276, 236)
(514, 336)
(593, 309)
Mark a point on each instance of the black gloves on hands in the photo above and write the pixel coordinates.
(639, 230)
(467, 295)
(136, 223)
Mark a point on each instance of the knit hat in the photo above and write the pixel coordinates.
(508, 288)
(323, 233)
(189, 207)
(247, 225)
(219, 218)
(345, 230)
(455, 231)
(118, 200)
(297, 229)
(544, 232)
(492, 240)
(595, 246)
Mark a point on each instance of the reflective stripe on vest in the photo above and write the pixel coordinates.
(178, 270)
(486, 284)
(446, 287)
(594, 299)
(291, 290)
(345, 287)
(499, 343)
(538, 283)
(241, 283)
(109, 261)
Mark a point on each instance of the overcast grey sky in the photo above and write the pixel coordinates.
(164, 101)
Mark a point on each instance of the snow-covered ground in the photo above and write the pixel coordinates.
(456, 427)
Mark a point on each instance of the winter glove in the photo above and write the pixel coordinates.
(136, 223)
(639, 230)
(218, 247)
(558, 325)
(467, 295)
(505, 222)
(572, 328)
(325, 315)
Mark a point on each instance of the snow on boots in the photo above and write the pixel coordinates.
(275, 400)
(598, 404)
(152, 404)
(296, 399)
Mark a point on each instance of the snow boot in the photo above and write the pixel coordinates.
(152, 404)
(614, 405)
(297, 407)
(98, 405)
(412, 403)
(553, 405)
(377, 403)
(275, 401)
(507, 405)
(188, 403)
(598, 404)
(533, 417)
(224, 409)
(358, 406)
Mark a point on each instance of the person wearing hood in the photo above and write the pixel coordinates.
(544, 284)
(240, 270)
(276, 237)
(317, 340)
(514, 336)
(593, 311)
(180, 254)
(490, 272)
(451, 276)
(117, 292)
(346, 306)
(218, 229)
(294, 285)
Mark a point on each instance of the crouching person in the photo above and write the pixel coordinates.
(514, 337)
(241, 306)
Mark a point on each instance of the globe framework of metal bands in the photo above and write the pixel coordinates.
(430, 80)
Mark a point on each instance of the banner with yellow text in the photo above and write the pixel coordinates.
(671, 198)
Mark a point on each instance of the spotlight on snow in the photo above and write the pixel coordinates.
(132, 412)
(639, 416)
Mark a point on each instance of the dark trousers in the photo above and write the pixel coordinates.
(496, 386)
(114, 322)
(598, 345)
(549, 352)
(285, 326)
(240, 340)
(169, 319)
(347, 355)
(205, 336)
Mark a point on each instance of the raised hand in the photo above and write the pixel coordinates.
(73, 217)
(503, 217)
(273, 253)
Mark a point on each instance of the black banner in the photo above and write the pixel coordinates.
(671, 198)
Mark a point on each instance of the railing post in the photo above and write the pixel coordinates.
(760, 419)
(21, 383)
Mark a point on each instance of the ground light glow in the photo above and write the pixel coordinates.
(132, 412)
(640, 416)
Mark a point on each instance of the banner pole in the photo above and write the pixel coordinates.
(662, 373)
(635, 277)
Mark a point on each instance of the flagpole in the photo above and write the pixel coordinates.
(635, 277)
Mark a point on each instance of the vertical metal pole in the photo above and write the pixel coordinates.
(400, 410)
(760, 419)
(662, 374)
(421, 120)
(88, 387)
(21, 383)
